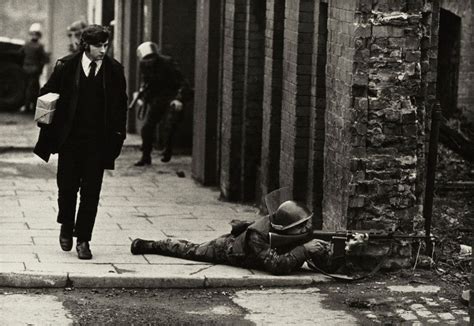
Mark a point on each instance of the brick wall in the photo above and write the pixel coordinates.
(296, 96)
(340, 144)
(471, 301)
(318, 111)
(380, 81)
(200, 90)
(253, 90)
(383, 189)
(272, 95)
(232, 97)
(348, 89)
(465, 10)
(208, 43)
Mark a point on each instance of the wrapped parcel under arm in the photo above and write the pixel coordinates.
(45, 107)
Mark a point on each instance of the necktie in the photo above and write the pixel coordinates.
(92, 66)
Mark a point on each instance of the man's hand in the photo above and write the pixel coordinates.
(176, 105)
(317, 247)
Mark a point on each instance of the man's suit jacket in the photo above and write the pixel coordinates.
(65, 82)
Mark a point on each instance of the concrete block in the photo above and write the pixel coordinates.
(164, 210)
(33, 280)
(415, 289)
(11, 267)
(182, 225)
(12, 239)
(17, 257)
(70, 268)
(131, 281)
(44, 224)
(13, 226)
(8, 249)
(10, 212)
(446, 316)
(163, 270)
(406, 315)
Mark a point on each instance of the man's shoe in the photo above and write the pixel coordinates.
(83, 250)
(144, 161)
(65, 237)
(141, 247)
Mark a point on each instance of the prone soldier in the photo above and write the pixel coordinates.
(164, 90)
(248, 244)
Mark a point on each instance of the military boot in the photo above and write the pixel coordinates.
(166, 156)
(142, 247)
(145, 160)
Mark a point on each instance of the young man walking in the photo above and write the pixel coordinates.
(87, 132)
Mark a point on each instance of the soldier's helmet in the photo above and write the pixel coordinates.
(147, 49)
(289, 215)
(35, 28)
(285, 213)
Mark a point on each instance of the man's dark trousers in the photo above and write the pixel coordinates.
(79, 167)
(159, 112)
(81, 164)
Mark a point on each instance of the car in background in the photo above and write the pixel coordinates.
(12, 77)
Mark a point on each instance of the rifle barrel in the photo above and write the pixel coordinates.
(373, 234)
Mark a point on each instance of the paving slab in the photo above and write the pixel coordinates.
(22, 257)
(13, 239)
(77, 268)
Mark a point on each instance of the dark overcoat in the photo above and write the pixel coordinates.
(65, 81)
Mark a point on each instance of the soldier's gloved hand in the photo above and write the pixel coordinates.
(317, 247)
(176, 105)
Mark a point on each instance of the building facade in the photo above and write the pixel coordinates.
(330, 98)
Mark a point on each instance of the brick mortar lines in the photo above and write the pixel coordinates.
(387, 193)
(233, 79)
(339, 69)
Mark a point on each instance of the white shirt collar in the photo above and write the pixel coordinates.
(86, 62)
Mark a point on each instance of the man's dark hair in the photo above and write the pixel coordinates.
(93, 35)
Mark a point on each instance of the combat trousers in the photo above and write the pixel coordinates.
(159, 112)
(80, 167)
(214, 251)
(31, 90)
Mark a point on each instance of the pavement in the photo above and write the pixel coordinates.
(154, 202)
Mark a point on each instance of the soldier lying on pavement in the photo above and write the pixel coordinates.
(248, 244)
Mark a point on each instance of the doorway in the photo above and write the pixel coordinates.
(448, 61)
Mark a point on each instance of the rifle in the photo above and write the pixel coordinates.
(136, 97)
(339, 238)
(341, 241)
